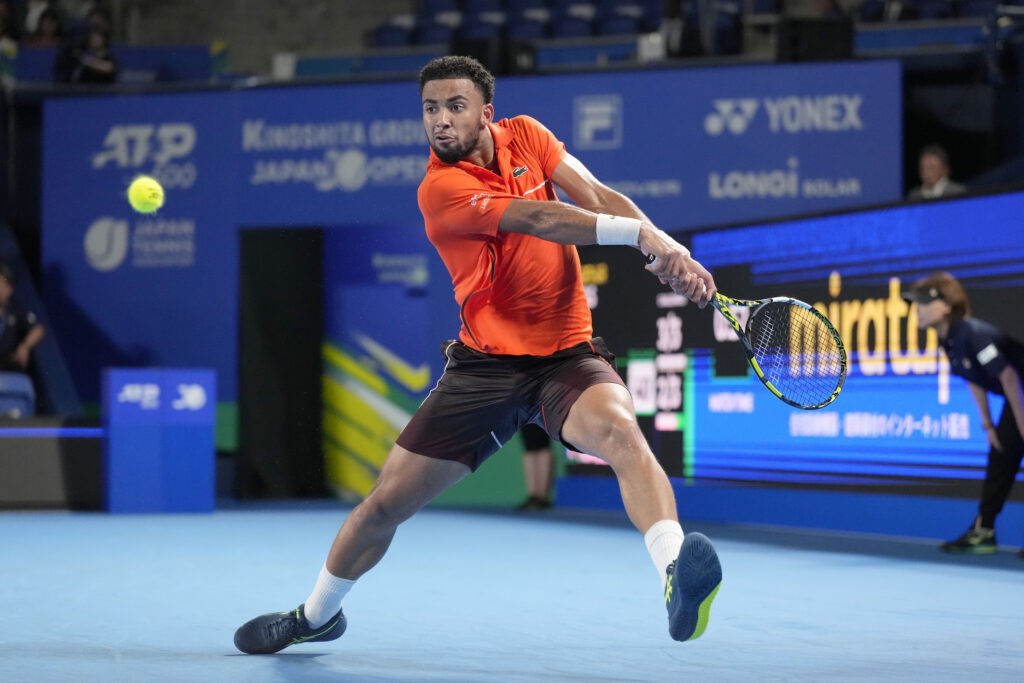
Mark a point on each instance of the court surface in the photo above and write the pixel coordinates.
(469, 596)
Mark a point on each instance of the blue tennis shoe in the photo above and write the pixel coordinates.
(273, 632)
(693, 582)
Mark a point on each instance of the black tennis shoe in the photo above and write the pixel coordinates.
(273, 632)
(976, 541)
(693, 582)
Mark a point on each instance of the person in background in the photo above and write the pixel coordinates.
(88, 61)
(538, 468)
(934, 169)
(20, 330)
(991, 362)
(49, 31)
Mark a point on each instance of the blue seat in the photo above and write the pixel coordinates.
(617, 25)
(766, 6)
(478, 30)
(571, 27)
(432, 33)
(477, 6)
(432, 7)
(525, 29)
(871, 11)
(727, 33)
(934, 9)
(975, 8)
(390, 35)
(17, 395)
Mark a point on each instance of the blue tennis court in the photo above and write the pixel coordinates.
(475, 596)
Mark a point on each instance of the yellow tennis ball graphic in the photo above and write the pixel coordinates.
(145, 194)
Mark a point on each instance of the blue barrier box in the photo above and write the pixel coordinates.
(159, 450)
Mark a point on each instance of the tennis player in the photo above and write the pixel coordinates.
(526, 351)
(991, 362)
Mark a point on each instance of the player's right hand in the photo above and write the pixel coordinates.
(673, 265)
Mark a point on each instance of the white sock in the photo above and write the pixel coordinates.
(663, 540)
(325, 600)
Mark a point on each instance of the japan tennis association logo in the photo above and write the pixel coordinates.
(106, 243)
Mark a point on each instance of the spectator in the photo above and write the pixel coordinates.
(32, 12)
(933, 168)
(8, 30)
(20, 330)
(49, 32)
(88, 61)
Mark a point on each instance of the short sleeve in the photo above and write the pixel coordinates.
(550, 150)
(456, 202)
(986, 355)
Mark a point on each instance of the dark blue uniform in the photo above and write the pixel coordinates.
(15, 323)
(979, 352)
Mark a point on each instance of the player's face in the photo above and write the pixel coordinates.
(932, 313)
(454, 117)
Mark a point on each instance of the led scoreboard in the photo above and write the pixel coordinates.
(902, 423)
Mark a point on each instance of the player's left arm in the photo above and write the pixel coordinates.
(22, 353)
(587, 192)
(1010, 381)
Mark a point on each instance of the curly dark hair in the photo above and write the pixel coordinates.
(459, 67)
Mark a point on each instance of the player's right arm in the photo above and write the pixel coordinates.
(579, 225)
(981, 398)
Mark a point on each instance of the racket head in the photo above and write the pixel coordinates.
(796, 352)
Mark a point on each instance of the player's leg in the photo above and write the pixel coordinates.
(407, 482)
(602, 422)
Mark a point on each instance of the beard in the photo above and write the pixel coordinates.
(454, 152)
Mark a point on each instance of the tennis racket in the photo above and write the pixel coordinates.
(793, 349)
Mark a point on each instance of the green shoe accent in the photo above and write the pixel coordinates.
(704, 613)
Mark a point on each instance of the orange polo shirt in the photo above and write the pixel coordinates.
(518, 294)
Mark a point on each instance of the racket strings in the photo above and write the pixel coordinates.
(797, 352)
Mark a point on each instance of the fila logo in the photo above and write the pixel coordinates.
(516, 172)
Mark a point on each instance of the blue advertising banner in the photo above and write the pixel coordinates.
(132, 289)
(693, 147)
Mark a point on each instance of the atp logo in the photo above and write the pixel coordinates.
(732, 115)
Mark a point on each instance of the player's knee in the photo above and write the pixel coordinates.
(379, 510)
(618, 433)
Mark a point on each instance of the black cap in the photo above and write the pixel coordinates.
(922, 295)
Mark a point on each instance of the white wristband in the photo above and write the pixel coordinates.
(618, 230)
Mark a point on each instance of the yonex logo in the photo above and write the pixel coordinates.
(734, 115)
(790, 114)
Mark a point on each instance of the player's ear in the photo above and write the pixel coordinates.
(488, 113)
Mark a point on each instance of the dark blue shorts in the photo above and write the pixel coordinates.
(482, 399)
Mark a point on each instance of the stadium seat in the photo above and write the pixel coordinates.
(525, 29)
(571, 27)
(617, 25)
(478, 6)
(727, 34)
(17, 395)
(431, 7)
(934, 9)
(975, 8)
(389, 35)
(871, 11)
(433, 33)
